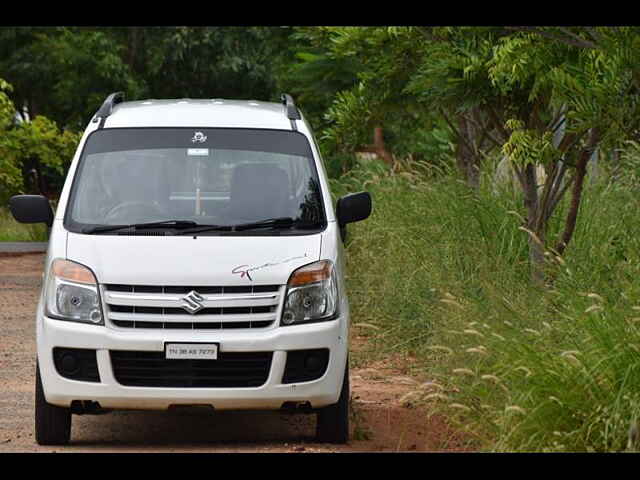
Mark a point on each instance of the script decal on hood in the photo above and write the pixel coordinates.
(244, 270)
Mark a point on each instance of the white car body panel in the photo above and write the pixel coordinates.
(205, 260)
(184, 260)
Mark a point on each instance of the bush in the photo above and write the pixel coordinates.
(444, 276)
(12, 231)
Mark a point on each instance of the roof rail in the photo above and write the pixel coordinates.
(292, 110)
(107, 107)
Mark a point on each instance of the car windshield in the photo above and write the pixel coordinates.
(206, 176)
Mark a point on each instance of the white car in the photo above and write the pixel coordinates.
(195, 258)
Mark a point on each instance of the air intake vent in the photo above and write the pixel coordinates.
(230, 370)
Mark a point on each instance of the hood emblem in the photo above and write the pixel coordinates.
(199, 137)
(193, 302)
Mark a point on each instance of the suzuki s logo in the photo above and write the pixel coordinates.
(199, 137)
(193, 302)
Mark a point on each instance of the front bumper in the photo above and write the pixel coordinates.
(270, 396)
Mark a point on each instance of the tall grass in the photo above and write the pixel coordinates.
(12, 231)
(444, 276)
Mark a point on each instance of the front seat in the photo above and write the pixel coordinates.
(258, 192)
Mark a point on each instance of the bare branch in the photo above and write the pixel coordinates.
(558, 120)
(581, 170)
(497, 123)
(456, 132)
(581, 43)
(570, 140)
(593, 34)
(558, 196)
(520, 174)
(544, 198)
(578, 38)
(485, 129)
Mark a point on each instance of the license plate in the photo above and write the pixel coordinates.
(191, 351)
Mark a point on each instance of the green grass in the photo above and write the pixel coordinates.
(12, 231)
(444, 275)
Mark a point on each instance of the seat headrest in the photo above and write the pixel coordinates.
(259, 191)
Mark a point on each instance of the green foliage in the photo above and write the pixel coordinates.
(220, 62)
(348, 114)
(314, 74)
(516, 368)
(12, 231)
(528, 146)
(10, 174)
(87, 64)
(387, 59)
(65, 73)
(25, 143)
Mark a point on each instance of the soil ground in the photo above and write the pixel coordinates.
(382, 417)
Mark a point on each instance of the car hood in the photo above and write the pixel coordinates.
(205, 260)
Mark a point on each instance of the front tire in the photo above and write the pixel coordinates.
(53, 423)
(333, 421)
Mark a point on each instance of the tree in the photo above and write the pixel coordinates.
(582, 77)
(379, 101)
(507, 88)
(29, 149)
(64, 73)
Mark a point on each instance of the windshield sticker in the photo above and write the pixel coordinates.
(243, 271)
(198, 152)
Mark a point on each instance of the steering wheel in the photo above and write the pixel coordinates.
(143, 209)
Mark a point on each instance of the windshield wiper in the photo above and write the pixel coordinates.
(204, 228)
(166, 223)
(280, 222)
(270, 222)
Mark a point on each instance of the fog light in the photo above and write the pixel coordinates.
(305, 365)
(313, 363)
(69, 364)
(76, 363)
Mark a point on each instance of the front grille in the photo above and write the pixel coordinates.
(201, 289)
(152, 369)
(158, 306)
(181, 311)
(191, 325)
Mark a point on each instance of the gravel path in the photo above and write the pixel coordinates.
(383, 419)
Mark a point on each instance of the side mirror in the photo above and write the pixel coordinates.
(31, 209)
(353, 208)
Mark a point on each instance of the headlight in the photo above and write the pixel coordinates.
(72, 293)
(312, 294)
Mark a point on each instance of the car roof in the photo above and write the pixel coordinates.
(202, 113)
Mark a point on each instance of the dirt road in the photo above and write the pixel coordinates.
(382, 419)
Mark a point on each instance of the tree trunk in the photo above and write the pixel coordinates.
(576, 194)
(379, 146)
(536, 231)
(467, 158)
(133, 47)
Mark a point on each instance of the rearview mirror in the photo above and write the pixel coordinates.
(353, 208)
(31, 209)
